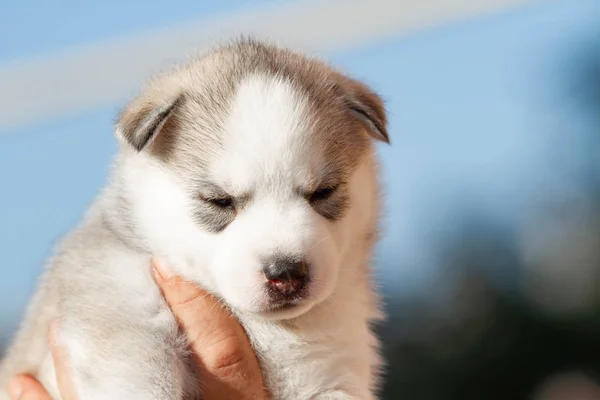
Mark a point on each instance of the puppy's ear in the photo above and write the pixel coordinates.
(368, 107)
(144, 118)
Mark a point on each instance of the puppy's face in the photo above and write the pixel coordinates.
(251, 167)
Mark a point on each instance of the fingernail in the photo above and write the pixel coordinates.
(15, 389)
(161, 271)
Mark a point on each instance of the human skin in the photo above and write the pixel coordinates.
(223, 358)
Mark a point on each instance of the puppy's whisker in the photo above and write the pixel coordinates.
(318, 242)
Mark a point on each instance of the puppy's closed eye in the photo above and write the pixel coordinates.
(215, 197)
(215, 212)
(321, 194)
(329, 201)
(221, 202)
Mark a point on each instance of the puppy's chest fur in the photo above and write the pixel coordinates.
(301, 368)
(329, 349)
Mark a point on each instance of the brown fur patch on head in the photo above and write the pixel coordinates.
(180, 115)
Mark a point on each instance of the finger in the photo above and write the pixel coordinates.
(205, 321)
(225, 360)
(61, 366)
(23, 387)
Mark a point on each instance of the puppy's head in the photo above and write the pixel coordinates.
(252, 167)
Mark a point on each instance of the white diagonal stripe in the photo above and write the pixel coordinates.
(105, 73)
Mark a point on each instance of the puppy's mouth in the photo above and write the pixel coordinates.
(286, 295)
(286, 288)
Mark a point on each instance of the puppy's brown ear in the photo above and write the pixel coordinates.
(143, 119)
(368, 107)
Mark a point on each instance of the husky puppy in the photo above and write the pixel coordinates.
(251, 171)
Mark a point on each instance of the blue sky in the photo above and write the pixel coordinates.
(478, 111)
(29, 27)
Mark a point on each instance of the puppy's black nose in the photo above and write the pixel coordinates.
(285, 270)
(286, 276)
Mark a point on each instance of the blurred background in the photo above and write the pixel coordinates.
(490, 258)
